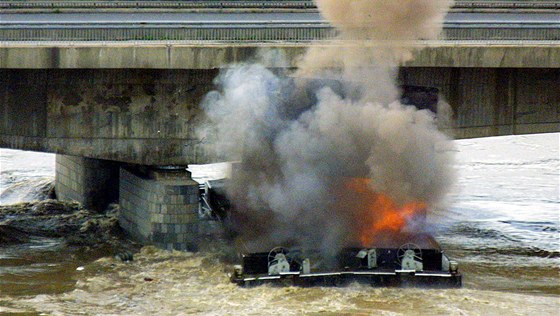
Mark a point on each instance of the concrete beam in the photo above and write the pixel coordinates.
(144, 55)
(151, 152)
(488, 56)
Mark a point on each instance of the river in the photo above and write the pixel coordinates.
(502, 226)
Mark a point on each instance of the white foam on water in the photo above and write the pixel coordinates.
(23, 174)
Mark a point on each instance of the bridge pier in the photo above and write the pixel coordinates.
(160, 207)
(92, 182)
(157, 206)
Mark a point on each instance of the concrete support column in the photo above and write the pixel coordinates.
(160, 208)
(92, 182)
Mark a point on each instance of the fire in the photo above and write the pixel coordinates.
(380, 215)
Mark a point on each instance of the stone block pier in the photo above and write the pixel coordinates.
(160, 208)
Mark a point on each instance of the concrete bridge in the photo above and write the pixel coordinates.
(118, 114)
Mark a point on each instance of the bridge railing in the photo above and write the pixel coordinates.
(512, 4)
(219, 4)
(296, 4)
(249, 33)
(176, 33)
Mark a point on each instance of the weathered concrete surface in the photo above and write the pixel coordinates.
(138, 116)
(116, 55)
(149, 117)
(121, 56)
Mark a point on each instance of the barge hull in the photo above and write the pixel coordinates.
(375, 279)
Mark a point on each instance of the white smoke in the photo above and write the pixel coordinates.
(299, 139)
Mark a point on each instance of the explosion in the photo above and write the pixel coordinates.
(381, 217)
(300, 136)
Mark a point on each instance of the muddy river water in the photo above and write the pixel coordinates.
(502, 226)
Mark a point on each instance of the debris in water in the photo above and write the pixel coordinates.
(124, 256)
(59, 219)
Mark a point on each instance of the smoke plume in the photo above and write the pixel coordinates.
(386, 20)
(300, 138)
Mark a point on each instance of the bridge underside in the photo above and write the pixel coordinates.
(494, 101)
(149, 116)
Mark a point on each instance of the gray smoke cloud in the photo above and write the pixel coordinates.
(300, 137)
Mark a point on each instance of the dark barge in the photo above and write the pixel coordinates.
(406, 266)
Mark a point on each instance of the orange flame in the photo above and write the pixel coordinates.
(381, 215)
